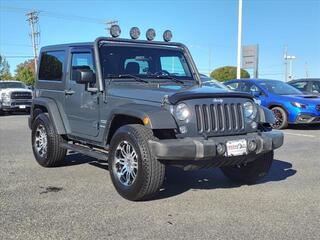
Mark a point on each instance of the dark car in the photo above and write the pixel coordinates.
(288, 104)
(140, 105)
(307, 85)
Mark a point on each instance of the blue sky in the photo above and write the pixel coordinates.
(208, 28)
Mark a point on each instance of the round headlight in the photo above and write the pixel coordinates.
(151, 34)
(250, 110)
(182, 112)
(115, 31)
(134, 33)
(167, 35)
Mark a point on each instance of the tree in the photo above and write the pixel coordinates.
(4, 69)
(226, 73)
(25, 72)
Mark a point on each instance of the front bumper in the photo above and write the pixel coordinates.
(202, 149)
(16, 105)
(307, 119)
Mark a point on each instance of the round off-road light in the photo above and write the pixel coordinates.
(250, 110)
(221, 148)
(167, 35)
(252, 145)
(134, 33)
(182, 112)
(151, 34)
(115, 31)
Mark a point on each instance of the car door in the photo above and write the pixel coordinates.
(82, 105)
(256, 92)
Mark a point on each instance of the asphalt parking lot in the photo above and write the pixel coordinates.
(78, 201)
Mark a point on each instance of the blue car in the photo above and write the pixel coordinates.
(289, 105)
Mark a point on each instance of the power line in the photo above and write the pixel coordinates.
(56, 15)
(18, 56)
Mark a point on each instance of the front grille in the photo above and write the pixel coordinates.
(220, 118)
(21, 95)
(318, 107)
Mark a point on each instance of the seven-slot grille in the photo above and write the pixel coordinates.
(21, 95)
(220, 118)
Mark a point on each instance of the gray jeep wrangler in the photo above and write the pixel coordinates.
(140, 105)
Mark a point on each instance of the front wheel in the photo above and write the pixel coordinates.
(251, 172)
(281, 118)
(135, 173)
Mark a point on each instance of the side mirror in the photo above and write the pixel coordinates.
(83, 76)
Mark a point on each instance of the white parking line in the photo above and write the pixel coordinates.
(300, 135)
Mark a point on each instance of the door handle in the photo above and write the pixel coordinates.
(68, 92)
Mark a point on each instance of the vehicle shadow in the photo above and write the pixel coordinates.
(178, 181)
(21, 113)
(304, 127)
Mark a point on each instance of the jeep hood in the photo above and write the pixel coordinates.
(175, 93)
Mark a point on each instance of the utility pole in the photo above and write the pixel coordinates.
(33, 20)
(239, 40)
(110, 24)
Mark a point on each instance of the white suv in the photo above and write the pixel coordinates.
(14, 96)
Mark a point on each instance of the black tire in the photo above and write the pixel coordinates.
(54, 154)
(281, 118)
(251, 172)
(150, 172)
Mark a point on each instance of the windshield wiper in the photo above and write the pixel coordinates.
(168, 77)
(138, 79)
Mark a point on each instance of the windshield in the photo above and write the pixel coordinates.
(11, 85)
(144, 62)
(278, 87)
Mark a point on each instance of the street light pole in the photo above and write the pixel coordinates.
(239, 40)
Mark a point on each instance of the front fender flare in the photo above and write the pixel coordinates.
(265, 115)
(160, 118)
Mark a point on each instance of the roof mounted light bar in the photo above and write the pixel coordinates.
(115, 32)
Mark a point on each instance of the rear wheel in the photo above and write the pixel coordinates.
(251, 172)
(46, 143)
(135, 173)
(281, 118)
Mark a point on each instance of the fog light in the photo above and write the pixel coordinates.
(254, 125)
(252, 145)
(221, 148)
(183, 129)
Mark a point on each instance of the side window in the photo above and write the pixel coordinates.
(302, 86)
(250, 88)
(83, 60)
(175, 66)
(235, 86)
(51, 65)
(316, 87)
